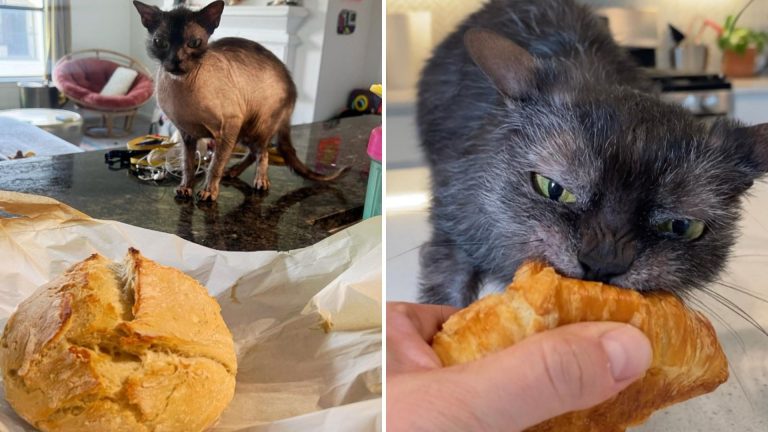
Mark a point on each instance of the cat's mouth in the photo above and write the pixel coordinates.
(176, 71)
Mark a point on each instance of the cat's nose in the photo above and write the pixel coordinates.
(605, 254)
(601, 271)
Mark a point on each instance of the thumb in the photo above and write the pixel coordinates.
(570, 368)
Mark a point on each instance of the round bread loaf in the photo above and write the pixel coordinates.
(119, 347)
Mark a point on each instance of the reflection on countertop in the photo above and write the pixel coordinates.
(294, 213)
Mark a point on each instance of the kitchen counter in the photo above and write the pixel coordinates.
(758, 84)
(294, 213)
(750, 99)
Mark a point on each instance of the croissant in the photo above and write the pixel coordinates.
(687, 358)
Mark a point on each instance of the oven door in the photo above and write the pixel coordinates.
(707, 104)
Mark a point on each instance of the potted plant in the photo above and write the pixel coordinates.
(740, 46)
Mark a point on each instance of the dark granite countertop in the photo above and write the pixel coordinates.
(294, 213)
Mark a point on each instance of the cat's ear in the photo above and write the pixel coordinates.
(758, 137)
(210, 16)
(150, 15)
(509, 67)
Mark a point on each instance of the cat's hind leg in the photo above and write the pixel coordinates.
(258, 142)
(261, 180)
(189, 163)
(225, 143)
(238, 168)
(447, 275)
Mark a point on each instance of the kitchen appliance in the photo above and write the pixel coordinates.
(690, 58)
(705, 95)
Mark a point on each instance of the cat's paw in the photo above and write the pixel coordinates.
(261, 182)
(183, 192)
(208, 194)
(204, 195)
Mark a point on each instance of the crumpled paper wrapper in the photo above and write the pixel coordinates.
(306, 323)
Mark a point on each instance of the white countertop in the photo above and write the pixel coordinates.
(758, 84)
(741, 404)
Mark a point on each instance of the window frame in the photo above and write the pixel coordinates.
(31, 77)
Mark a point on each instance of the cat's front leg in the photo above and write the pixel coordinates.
(447, 275)
(225, 143)
(261, 180)
(189, 163)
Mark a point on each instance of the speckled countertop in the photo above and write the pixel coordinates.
(294, 213)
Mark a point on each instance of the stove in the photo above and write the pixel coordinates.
(705, 95)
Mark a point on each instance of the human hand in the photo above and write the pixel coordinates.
(569, 368)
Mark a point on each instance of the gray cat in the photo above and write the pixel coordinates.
(544, 143)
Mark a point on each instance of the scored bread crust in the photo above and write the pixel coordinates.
(687, 358)
(120, 347)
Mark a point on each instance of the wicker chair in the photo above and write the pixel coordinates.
(82, 74)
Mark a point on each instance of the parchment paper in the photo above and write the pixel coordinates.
(306, 323)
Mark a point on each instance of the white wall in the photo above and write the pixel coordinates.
(306, 73)
(373, 51)
(343, 59)
(9, 96)
(101, 24)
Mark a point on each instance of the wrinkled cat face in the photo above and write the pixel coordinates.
(179, 38)
(628, 191)
(606, 183)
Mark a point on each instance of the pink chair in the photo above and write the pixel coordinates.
(81, 75)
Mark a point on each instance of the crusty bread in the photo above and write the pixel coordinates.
(119, 347)
(687, 358)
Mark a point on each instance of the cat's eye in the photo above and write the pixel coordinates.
(549, 188)
(194, 43)
(161, 43)
(689, 229)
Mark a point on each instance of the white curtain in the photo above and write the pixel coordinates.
(58, 32)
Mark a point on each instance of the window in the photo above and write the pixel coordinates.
(21, 38)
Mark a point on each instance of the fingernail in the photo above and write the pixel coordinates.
(629, 352)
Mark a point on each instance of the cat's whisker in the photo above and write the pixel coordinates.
(699, 303)
(734, 308)
(751, 256)
(744, 291)
(757, 220)
(741, 386)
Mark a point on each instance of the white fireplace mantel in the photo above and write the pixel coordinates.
(275, 27)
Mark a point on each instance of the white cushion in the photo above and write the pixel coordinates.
(120, 82)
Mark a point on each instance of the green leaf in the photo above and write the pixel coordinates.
(729, 23)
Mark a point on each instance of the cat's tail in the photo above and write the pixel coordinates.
(286, 150)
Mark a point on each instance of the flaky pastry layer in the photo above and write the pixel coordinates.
(687, 358)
